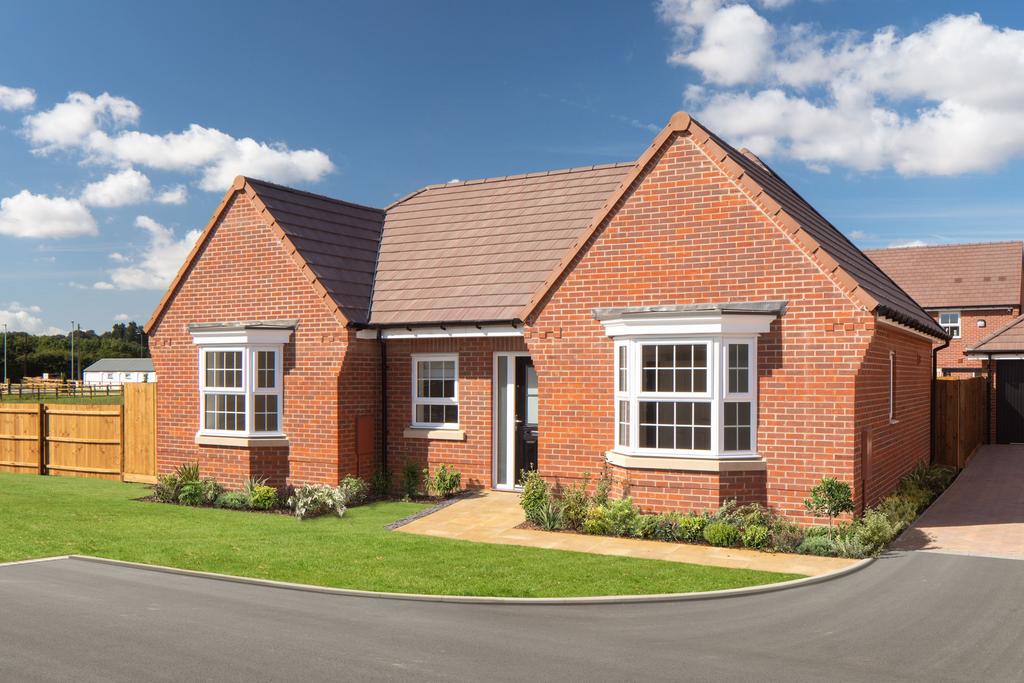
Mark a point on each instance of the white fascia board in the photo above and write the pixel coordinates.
(240, 337)
(446, 332)
(662, 324)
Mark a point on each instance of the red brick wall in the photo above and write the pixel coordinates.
(472, 456)
(686, 234)
(243, 273)
(970, 334)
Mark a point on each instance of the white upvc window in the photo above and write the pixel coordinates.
(241, 384)
(435, 390)
(950, 322)
(689, 396)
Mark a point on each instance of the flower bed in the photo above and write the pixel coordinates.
(749, 526)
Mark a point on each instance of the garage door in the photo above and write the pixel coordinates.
(1010, 401)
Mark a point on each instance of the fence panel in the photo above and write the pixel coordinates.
(21, 444)
(961, 419)
(140, 433)
(84, 441)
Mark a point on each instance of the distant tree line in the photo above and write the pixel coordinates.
(30, 355)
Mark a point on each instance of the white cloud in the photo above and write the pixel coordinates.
(158, 264)
(95, 127)
(122, 318)
(118, 189)
(172, 195)
(39, 216)
(858, 234)
(20, 318)
(907, 243)
(117, 256)
(943, 100)
(12, 99)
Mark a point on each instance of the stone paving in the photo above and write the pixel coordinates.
(492, 517)
(982, 513)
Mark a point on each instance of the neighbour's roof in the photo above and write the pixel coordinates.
(955, 275)
(1007, 339)
(478, 250)
(121, 365)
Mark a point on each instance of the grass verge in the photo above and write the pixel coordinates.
(45, 516)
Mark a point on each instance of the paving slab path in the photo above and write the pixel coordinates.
(494, 517)
(981, 514)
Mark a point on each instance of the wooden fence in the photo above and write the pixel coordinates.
(961, 419)
(107, 442)
(41, 392)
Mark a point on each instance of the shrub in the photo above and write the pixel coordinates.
(875, 531)
(815, 531)
(263, 498)
(445, 482)
(187, 472)
(575, 503)
(232, 500)
(722, 534)
(410, 479)
(830, 498)
(313, 500)
(380, 484)
(167, 488)
(354, 491)
(691, 528)
(199, 492)
(646, 526)
(786, 536)
(899, 510)
(666, 527)
(816, 545)
(727, 512)
(934, 478)
(602, 488)
(756, 536)
(753, 514)
(917, 496)
(535, 496)
(622, 517)
(550, 516)
(850, 546)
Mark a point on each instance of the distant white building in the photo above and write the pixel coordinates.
(117, 371)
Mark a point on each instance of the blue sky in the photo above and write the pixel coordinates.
(906, 134)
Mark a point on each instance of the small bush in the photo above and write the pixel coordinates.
(187, 472)
(575, 503)
(816, 545)
(646, 526)
(602, 488)
(756, 536)
(691, 528)
(850, 546)
(354, 490)
(786, 536)
(875, 531)
(167, 488)
(899, 510)
(815, 531)
(380, 484)
(933, 478)
(313, 500)
(753, 514)
(622, 517)
(722, 534)
(263, 498)
(597, 522)
(232, 500)
(551, 516)
(535, 496)
(830, 498)
(410, 480)
(727, 512)
(446, 481)
(666, 527)
(199, 492)
(251, 484)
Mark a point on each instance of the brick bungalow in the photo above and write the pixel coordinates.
(686, 322)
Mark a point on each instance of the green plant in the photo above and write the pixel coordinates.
(899, 510)
(199, 492)
(727, 512)
(851, 546)
(550, 516)
(167, 488)
(646, 526)
(187, 472)
(535, 496)
(691, 528)
(786, 536)
(313, 500)
(251, 484)
(753, 514)
(575, 502)
(816, 545)
(410, 480)
(354, 491)
(875, 530)
(934, 478)
(756, 536)
(445, 482)
(622, 517)
(263, 498)
(602, 488)
(722, 534)
(830, 498)
(233, 500)
(666, 527)
(380, 484)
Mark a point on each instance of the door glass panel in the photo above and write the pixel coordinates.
(531, 395)
(501, 415)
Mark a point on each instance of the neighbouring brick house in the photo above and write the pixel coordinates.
(685, 321)
(970, 289)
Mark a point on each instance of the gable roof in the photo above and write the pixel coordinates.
(334, 244)
(952, 275)
(1007, 339)
(478, 250)
(121, 365)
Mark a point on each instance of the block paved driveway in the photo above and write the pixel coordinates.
(907, 617)
(982, 513)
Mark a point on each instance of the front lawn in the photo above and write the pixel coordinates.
(45, 516)
(97, 400)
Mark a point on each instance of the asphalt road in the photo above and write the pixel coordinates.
(912, 616)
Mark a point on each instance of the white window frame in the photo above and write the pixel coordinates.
(416, 399)
(248, 343)
(717, 393)
(948, 326)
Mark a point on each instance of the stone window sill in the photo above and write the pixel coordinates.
(646, 462)
(242, 441)
(435, 434)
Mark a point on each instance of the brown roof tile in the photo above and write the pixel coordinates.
(1008, 339)
(951, 275)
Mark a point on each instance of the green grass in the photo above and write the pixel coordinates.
(46, 516)
(114, 400)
